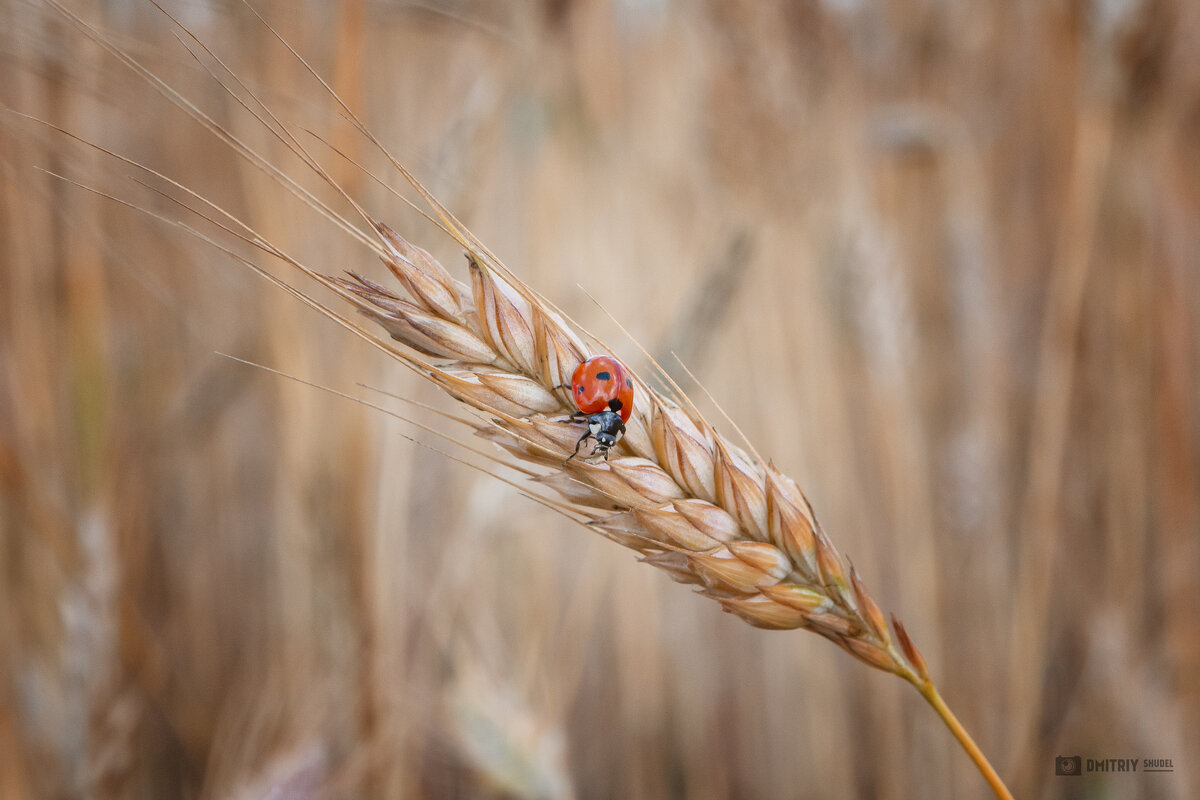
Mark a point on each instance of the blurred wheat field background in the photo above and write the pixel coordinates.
(940, 262)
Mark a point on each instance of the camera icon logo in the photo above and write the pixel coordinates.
(1068, 765)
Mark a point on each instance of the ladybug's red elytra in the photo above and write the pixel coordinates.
(603, 392)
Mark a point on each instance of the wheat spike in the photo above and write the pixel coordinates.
(686, 499)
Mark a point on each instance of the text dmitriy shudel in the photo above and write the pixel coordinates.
(1127, 764)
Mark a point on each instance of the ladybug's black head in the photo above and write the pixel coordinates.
(606, 428)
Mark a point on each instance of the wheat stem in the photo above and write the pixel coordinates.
(930, 693)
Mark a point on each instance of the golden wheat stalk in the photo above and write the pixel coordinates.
(689, 501)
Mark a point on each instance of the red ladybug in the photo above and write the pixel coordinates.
(603, 392)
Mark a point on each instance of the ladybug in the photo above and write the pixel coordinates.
(603, 392)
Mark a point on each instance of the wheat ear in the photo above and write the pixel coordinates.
(690, 502)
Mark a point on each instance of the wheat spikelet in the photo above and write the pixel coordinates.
(675, 490)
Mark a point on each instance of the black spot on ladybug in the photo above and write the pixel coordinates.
(579, 389)
(614, 405)
(603, 376)
(629, 383)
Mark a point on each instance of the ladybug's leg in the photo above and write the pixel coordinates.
(587, 435)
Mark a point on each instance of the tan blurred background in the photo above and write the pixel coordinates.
(940, 261)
